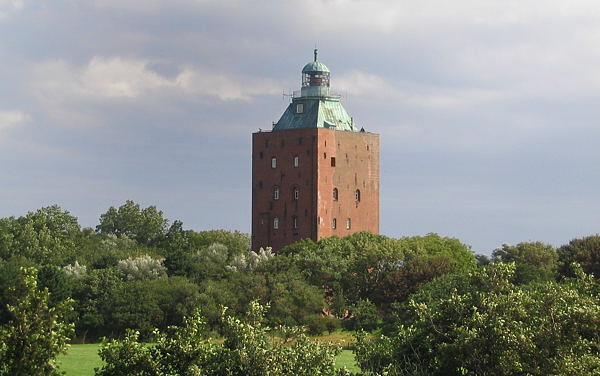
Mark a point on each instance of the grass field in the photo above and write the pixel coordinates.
(82, 359)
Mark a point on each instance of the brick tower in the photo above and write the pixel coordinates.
(315, 174)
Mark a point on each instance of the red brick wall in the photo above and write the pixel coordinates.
(356, 168)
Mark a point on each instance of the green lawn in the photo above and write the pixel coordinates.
(346, 358)
(82, 359)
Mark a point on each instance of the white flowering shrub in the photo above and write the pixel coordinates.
(75, 270)
(142, 267)
(112, 241)
(248, 261)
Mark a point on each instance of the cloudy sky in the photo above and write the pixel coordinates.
(488, 110)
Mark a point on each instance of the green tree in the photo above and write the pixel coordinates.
(46, 236)
(584, 251)
(534, 260)
(35, 333)
(147, 226)
(482, 324)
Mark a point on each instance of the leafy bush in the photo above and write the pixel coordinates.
(142, 267)
(482, 324)
(35, 332)
(248, 350)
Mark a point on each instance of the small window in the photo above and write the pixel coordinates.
(300, 108)
(335, 194)
(332, 161)
(260, 155)
(295, 222)
(357, 195)
(296, 194)
(260, 184)
(334, 224)
(276, 193)
(273, 162)
(296, 161)
(324, 155)
(348, 223)
(275, 223)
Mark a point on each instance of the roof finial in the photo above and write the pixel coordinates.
(316, 54)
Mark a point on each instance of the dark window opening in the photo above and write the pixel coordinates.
(335, 194)
(332, 161)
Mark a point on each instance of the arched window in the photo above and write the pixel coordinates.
(334, 224)
(273, 162)
(275, 223)
(276, 193)
(348, 223)
(296, 193)
(357, 195)
(296, 161)
(295, 222)
(335, 194)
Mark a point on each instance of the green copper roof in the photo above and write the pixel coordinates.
(315, 66)
(325, 112)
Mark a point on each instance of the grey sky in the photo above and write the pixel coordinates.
(488, 110)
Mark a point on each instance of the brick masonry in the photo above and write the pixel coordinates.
(327, 159)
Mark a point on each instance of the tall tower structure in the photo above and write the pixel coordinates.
(315, 174)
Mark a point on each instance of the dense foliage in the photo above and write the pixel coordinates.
(481, 323)
(248, 349)
(35, 331)
(444, 310)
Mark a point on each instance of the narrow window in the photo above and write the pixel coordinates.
(266, 143)
(295, 222)
(348, 223)
(300, 141)
(276, 193)
(357, 195)
(282, 143)
(334, 224)
(275, 223)
(260, 155)
(260, 184)
(296, 194)
(273, 162)
(296, 161)
(335, 194)
(332, 161)
(324, 155)
(300, 108)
